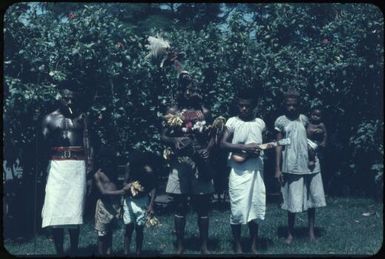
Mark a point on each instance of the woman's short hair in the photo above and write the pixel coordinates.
(248, 94)
(291, 93)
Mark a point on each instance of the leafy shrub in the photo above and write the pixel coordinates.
(332, 53)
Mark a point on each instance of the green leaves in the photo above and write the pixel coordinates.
(320, 49)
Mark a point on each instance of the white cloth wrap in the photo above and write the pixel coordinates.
(302, 192)
(247, 193)
(64, 193)
(135, 210)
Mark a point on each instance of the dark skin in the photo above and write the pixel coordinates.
(316, 128)
(131, 226)
(190, 103)
(65, 127)
(179, 142)
(109, 192)
(292, 113)
(316, 132)
(245, 113)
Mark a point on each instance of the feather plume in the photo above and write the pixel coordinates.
(157, 46)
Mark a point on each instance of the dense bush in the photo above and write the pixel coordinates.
(333, 53)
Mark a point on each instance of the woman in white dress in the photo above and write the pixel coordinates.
(302, 188)
(246, 186)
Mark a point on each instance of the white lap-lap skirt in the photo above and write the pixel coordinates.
(64, 193)
(301, 192)
(135, 210)
(247, 195)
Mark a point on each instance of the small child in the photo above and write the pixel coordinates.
(316, 133)
(108, 205)
(141, 181)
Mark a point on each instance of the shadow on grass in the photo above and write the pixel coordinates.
(299, 232)
(221, 206)
(86, 251)
(262, 244)
(192, 243)
(145, 253)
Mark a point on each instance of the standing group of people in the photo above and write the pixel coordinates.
(191, 135)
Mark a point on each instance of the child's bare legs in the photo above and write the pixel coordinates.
(101, 245)
(253, 229)
(311, 220)
(311, 155)
(127, 237)
(236, 230)
(290, 227)
(139, 239)
(109, 243)
(104, 244)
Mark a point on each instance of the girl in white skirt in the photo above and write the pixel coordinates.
(246, 187)
(302, 188)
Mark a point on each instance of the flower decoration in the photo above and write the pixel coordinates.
(326, 41)
(152, 221)
(71, 16)
(136, 188)
(199, 126)
(167, 153)
(173, 120)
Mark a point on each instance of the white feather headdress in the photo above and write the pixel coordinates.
(157, 46)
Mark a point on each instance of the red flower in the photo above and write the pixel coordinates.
(326, 41)
(189, 125)
(71, 16)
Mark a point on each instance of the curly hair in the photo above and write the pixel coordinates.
(291, 93)
(139, 159)
(105, 160)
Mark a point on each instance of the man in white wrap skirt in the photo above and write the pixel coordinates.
(246, 186)
(66, 139)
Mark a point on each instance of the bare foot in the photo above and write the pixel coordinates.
(180, 251)
(289, 239)
(254, 250)
(205, 251)
(312, 237)
(238, 249)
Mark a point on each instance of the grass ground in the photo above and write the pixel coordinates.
(341, 227)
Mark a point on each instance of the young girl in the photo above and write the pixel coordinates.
(246, 186)
(141, 181)
(302, 189)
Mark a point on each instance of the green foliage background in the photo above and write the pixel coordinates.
(333, 53)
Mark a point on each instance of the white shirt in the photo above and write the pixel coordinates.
(295, 156)
(245, 132)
